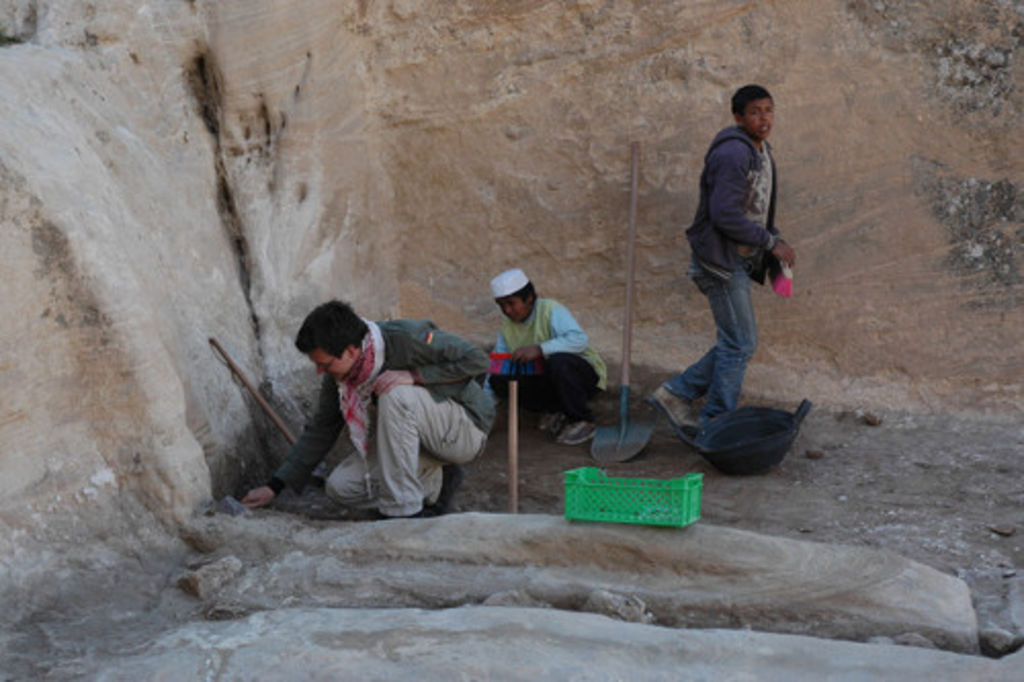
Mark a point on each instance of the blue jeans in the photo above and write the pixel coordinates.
(718, 376)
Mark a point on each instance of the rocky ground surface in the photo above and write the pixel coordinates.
(942, 490)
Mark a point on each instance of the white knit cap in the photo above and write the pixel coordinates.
(508, 283)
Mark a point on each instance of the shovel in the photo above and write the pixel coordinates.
(622, 442)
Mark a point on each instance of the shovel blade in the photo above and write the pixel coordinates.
(620, 443)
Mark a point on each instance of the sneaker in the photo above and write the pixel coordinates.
(552, 422)
(576, 433)
(680, 412)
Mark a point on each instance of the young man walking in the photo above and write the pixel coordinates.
(732, 237)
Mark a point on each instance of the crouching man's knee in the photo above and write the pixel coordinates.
(399, 402)
(347, 485)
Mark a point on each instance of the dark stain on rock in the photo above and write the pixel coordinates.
(972, 48)
(101, 375)
(233, 226)
(51, 247)
(268, 131)
(204, 82)
(23, 33)
(73, 305)
(91, 316)
(986, 232)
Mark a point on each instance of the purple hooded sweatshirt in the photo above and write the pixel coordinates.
(720, 225)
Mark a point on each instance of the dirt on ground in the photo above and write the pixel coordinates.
(945, 491)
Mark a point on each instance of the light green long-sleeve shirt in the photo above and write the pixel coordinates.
(552, 327)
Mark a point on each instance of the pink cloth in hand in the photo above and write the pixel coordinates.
(783, 282)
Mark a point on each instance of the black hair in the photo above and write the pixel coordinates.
(526, 292)
(332, 327)
(745, 95)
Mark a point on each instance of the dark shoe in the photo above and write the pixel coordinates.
(451, 479)
(428, 511)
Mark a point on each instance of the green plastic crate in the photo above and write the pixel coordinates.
(590, 495)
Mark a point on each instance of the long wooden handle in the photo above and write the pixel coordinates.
(259, 399)
(627, 328)
(513, 447)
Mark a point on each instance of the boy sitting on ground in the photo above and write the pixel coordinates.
(544, 329)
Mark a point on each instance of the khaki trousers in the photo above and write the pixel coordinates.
(397, 478)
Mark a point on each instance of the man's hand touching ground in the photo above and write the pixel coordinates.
(259, 497)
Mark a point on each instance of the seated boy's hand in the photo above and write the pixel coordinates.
(526, 353)
(388, 379)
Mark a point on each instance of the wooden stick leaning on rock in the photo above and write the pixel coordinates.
(259, 399)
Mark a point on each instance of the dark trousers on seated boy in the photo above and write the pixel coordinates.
(565, 386)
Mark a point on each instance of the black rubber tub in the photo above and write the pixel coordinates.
(748, 440)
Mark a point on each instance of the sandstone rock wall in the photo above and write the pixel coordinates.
(288, 89)
(507, 125)
(436, 144)
(185, 169)
(116, 415)
(173, 171)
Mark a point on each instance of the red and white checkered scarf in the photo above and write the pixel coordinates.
(356, 391)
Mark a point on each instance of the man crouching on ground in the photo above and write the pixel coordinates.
(424, 382)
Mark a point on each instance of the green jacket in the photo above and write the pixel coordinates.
(447, 366)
